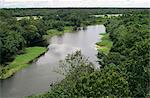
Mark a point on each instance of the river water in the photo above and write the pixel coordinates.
(37, 78)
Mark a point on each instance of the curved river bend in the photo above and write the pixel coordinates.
(37, 77)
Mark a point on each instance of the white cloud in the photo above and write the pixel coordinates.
(23, 0)
(74, 3)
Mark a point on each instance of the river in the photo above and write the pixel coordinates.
(37, 78)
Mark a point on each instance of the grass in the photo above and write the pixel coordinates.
(21, 61)
(68, 29)
(105, 36)
(53, 32)
(105, 44)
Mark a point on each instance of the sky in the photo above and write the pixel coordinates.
(73, 3)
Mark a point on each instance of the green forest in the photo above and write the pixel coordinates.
(19, 33)
(123, 53)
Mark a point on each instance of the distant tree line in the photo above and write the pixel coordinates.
(90, 11)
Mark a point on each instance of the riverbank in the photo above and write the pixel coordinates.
(21, 61)
(105, 44)
(53, 32)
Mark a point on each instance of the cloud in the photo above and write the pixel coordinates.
(23, 0)
(74, 3)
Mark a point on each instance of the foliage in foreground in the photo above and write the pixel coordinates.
(83, 80)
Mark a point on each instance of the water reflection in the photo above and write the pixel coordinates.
(37, 77)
